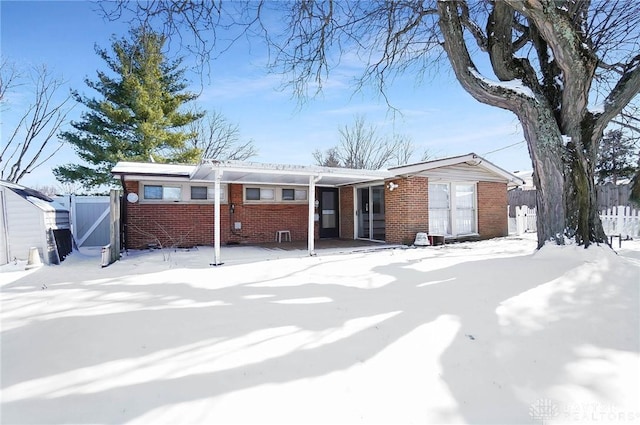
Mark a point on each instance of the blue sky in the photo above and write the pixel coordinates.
(437, 114)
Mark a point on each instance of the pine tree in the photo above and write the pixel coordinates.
(138, 116)
(617, 158)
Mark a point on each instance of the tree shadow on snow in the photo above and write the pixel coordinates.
(186, 323)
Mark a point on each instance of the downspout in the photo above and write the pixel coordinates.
(312, 205)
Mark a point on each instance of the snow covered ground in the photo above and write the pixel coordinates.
(479, 332)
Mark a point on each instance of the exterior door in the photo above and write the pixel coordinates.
(370, 213)
(328, 208)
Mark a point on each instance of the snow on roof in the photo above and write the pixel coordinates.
(267, 173)
(252, 172)
(153, 168)
(25, 191)
(36, 198)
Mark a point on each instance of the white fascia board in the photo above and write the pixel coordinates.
(414, 169)
(293, 170)
(429, 165)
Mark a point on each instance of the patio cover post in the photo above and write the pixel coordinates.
(312, 206)
(216, 219)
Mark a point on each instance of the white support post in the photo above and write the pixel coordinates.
(216, 220)
(312, 212)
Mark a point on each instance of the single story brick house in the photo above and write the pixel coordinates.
(228, 202)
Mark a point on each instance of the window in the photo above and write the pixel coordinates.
(152, 192)
(180, 192)
(198, 192)
(288, 194)
(171, 193)
(439, 223)
(294, 194)
(465, 209)
(253, 194)
(260, 194)
(166, 193)
(452, 208)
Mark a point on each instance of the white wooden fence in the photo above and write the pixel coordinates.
(621, 220)
(524, 220)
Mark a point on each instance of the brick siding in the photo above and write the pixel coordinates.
(186, 225)
(492, 210)
(346, 212)
(406, 209)
(406, 213)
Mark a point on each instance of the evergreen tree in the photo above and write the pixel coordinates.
(138, 116)
(617, 157)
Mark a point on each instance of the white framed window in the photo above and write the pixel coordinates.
(199, 192)
(452, 208)
(274, 194)
(259, 194)
(289, 194)
(160, 192)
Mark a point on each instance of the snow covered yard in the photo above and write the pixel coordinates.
(483, 332)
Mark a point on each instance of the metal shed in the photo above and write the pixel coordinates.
(29, 219)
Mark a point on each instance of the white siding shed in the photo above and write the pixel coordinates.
(30, 219)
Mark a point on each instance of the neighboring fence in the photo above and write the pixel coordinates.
(621, 220)
(522, 219)
(89, 219)
(609, 196)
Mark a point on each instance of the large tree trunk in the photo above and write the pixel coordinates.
(581, 201)
(546, 151)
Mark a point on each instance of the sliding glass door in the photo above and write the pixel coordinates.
(370, 213)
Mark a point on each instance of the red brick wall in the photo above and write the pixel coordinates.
(406, 213)
(188, 225)
(406, 209)
(492, 210)
(346, 212)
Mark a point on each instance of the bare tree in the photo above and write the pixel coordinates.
(217, 138)
(26, 147)
(9, 77)
(328, 158)
(362, 146)
(553, 59)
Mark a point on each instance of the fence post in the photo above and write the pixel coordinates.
(114, 206)
(519, 220)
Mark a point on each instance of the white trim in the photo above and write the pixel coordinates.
(216, 219)
(470, 159)
(277, 194)
(185, 192)
(452, 208)
(312, 212)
